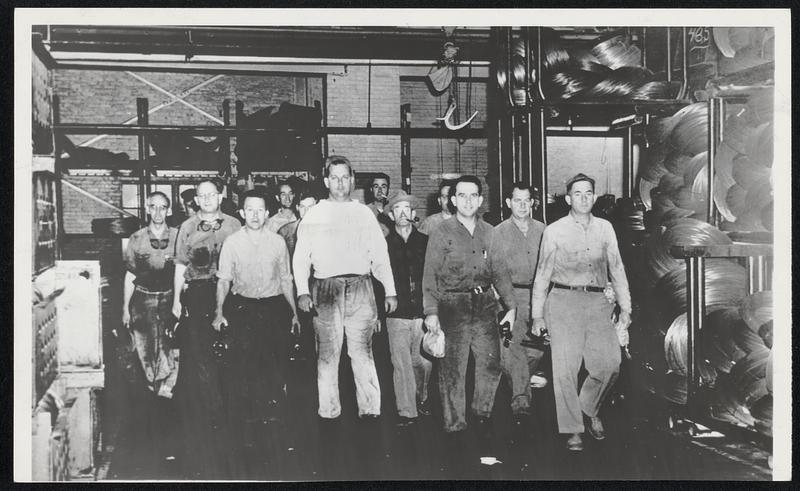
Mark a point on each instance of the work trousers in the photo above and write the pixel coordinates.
(255, 366)
(517, 361)
(198, 394)
(581, 330)
(150, 316)
(411, 370)
(468, 322)
(345, 310)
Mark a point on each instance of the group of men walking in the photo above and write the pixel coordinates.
(454, 274)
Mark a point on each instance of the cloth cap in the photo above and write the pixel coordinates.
(433, 344)
(398, 197)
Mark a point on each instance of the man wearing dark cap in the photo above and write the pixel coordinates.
(404, 325)
(578, 254)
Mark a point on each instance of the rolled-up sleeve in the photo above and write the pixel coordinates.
(434, 259)
(182, 245)
(130, 256)
(225, 266)
(544, 272)
(616, 269)
(284, 268)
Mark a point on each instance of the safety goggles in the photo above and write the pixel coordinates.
(159, 243)
(213, 225)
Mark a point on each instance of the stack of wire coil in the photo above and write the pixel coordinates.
(733, 351)
(606, 70)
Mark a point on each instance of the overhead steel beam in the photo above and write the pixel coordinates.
(119, 129)
(324, 42)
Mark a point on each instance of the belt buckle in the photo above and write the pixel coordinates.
(477, 290)
(583, 288)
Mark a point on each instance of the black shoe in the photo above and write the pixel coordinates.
(368, 417)
(404, 421)
(423, 409)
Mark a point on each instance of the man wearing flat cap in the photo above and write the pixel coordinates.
(578, 255)
(407, 255)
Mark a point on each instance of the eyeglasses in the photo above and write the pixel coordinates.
(159, 243)
(210, 226)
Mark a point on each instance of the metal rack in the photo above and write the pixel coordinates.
(530, 121)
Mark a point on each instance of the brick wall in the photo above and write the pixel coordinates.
(431, 157)
(79, 210)
(348, 106)
(109, 96)
(40, 106)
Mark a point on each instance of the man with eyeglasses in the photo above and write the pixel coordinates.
(578, 254)
(342, 241)
(197, 252)
(146, 304)
(460, 271)
(254, 269)
(285, 213)
(147, 295)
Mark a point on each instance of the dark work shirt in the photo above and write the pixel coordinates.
(199, 249)
(153, 267)
(407, 259)
(519, 251)
(457, 262)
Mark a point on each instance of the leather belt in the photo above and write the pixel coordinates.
(247, 300)
(144, 290)
(202, 281)
(477, 290)
(526, 286)
(581, 288)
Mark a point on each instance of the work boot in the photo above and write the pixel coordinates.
(575, 442)
(596, 428)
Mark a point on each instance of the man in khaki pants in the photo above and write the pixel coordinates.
(578, 254)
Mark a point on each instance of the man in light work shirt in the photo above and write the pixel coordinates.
(516, 240)
(457, 298)
(343, 242)
(259, 314)
(432, 221)
(578, 254)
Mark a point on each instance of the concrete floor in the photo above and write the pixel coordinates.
(303, 447)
